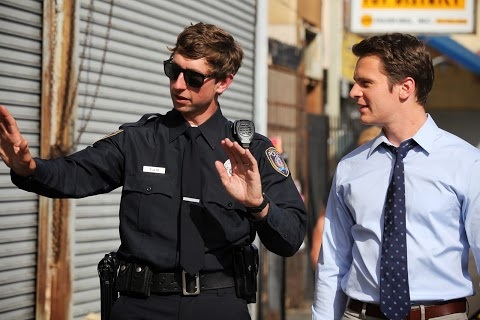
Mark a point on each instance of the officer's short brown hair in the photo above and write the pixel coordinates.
(218, 47)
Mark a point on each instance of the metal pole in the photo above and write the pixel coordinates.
(260, 109)
(332, 21)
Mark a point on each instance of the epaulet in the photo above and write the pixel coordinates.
(144, 119)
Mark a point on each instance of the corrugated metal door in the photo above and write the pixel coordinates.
(20, 91)
(122, 48)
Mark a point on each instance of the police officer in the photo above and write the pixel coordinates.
(244, 191)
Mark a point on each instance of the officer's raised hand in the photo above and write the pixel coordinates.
(244, 184)
(14, 149)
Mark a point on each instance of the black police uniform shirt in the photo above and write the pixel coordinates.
(145, 158)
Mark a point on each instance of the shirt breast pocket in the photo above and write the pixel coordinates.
(225, 213)
(146, 198)
(217, 198)
(148, 183)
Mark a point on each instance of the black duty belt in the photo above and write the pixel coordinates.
(182, 282)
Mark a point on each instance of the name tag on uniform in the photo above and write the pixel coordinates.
(154, 169)
(195, 200)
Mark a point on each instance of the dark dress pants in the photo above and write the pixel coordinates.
(217, 304)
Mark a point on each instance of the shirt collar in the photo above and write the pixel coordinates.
(176, 124)
(425, 137)
(378, 141)
(210, 129)
(427, 134)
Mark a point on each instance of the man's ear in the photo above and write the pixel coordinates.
(223, 84)
(407, 88)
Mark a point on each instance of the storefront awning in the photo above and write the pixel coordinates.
(455, 51)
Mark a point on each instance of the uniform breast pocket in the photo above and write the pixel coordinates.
(148, 183)
(218, 199)
(146, 198)
(224, 213)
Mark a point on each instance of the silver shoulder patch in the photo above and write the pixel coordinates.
(277, 162)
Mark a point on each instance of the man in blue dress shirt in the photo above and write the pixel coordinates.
(393, 77)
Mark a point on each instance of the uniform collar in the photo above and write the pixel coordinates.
(175, 123)
(210, 129)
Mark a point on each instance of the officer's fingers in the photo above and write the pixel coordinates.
(3, 156)
(238, 153)
(247, 161)
(8, 123)
(233, 151)
(3, 113)
(3, 129)
(19, 158)
(10, 137)
(227, 141)
(24, 150)
(222, 172)
(227, 146)
(249, 158)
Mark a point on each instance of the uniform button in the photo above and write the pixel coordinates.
(148, 189)
(273, 222)
(138, 269)
(229, 204)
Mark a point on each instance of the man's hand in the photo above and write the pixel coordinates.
(244, 184)
(14, 149)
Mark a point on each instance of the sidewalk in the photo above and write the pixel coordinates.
(299, 314)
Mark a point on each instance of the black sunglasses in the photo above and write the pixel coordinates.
(192, 78)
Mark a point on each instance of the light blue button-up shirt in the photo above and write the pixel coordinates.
(442, 194)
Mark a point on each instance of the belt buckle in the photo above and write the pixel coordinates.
(184, 284)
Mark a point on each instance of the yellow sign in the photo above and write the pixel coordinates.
(413, 4)
(412, 16)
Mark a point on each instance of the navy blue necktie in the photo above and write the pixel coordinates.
(192, 249)
(394, 291)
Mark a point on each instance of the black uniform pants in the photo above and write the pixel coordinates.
(219, 304)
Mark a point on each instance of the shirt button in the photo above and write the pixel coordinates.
(274, 223)
(229, 204)
(148, 189)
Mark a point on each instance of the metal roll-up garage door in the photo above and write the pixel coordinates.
(20, 91)
(122, 47)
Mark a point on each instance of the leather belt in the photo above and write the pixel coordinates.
(180, 282)
(431, 311)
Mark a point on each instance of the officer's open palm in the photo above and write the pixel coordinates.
(14, 149)
(244, 184)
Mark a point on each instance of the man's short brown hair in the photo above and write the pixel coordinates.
(223, 54)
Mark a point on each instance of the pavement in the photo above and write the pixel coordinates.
(299, 314)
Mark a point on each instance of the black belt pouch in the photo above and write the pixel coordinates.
(134, 279)
(245, 266)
